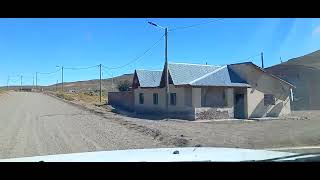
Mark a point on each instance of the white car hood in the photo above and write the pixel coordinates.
(188, 154)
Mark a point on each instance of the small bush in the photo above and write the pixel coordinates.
(60, 95)
(68, 98)
(64, 96)
(89, 93)
(124, 85)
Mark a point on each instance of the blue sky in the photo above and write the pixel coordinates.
(39, 45)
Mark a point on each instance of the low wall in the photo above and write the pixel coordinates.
(213, 113)
(124, 100)
(187, 113)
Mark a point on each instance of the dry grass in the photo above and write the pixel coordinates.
(2, 91)
(65, 96)
(84, 97)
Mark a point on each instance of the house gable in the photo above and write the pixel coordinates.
(262, 81)
(146, 78)
(135, 81)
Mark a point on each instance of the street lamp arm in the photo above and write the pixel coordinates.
(156, 25)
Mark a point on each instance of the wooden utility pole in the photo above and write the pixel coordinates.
(112, 82)
(100, 84)
(262, 60)
(62, 79)
(167, 72)
(21, 83)
(37, 80)
(166, 67)
(8, 83)
(57, 86)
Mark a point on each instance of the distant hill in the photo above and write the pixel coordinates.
(309, 60)
(89, 85)
(304, 73)
(94, 84)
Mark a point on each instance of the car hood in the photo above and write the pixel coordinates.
(187, 154)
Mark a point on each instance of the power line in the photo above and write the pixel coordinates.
(190, 26)
(104, 69)
(49, 72)
(137, 58)
(79, 68)
(251, 57)
(10, 80)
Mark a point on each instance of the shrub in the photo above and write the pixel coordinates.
(124, 85)
(64, 96)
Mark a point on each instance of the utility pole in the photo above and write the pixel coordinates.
(21, 83)
(112, 82)
(262, 60)
(167, 72)
(62, 79)
(33, 82)
(280, 60)
(36, 80)
(57, 86)
(100, 83)
(166, 67)
(8, 83)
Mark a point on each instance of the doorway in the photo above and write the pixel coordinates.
(239, 106)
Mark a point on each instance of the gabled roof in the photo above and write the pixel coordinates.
(149, 78)
(222, 76)
(197, 75)
(182, 73)
(204, 75)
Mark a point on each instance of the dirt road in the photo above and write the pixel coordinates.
(35, 124)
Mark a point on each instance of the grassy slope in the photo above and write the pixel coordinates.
(84, 97)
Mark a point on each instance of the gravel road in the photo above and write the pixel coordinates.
(36, 124)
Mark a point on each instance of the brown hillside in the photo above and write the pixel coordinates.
(304, 73)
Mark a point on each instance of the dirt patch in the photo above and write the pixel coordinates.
(180, 142)
(156, 134)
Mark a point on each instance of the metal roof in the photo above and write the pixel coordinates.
(197, 75)
(182, 73)
(194, 75)
(222, 76)
(149, 78)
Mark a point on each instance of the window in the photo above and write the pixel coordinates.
(141, 98)
(155, 98)
(269, 100)
(173, 98)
